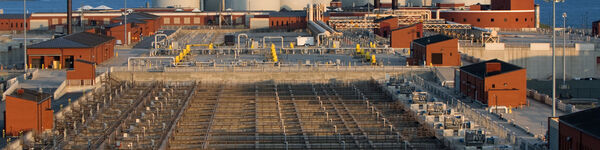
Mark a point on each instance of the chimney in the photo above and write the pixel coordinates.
(493, 67)
(377, 3)
(394, 4)
(69, 17)
(20, 92)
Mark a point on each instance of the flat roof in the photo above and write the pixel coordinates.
(31, 95)
(432, 39)
(479, 69)
(77, 40)
(586, 121)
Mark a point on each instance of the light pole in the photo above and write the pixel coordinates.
(554, 58)
(564, 15)
(25, 34)
(125, 25)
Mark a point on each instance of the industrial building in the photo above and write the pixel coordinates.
(575, 131)
(437, 50)
(12, 22)
(402, 37)
(83, 73)
(494, 83)
(386, 25)
(62, 52)
(28, 110)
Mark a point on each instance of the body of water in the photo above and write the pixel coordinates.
(581, 13)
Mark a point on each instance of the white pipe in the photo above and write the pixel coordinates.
(131, 58)
(272, 37)
(156, 39)
(239, 35)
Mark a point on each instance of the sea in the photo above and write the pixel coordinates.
(580, 13)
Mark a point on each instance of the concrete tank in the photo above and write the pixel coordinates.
(357, 3)
(301, 4)
(237, 5)
(264, 5)
(176, 3)
(466, 2)
(212, 5)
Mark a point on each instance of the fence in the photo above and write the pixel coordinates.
(546, 99)
(273, 69)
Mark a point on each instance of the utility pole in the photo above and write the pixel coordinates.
(25, 34)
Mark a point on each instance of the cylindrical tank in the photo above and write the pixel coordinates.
(264, 5)
(354, 3)
(466, 2)
(212, 5)
(176, 3)
(301, 4)
(237, 5)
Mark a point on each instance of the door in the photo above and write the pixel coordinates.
(437, 58)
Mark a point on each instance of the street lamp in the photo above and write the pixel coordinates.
(125, 13)
(554, 56)
(564, 86)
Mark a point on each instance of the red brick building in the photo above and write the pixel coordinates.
(117, 30)
(494, 83)
(386, 25)
(12, 22)
(148, 23)
(403, 36)
(506, 14)
(28, 110)
(65, 50)
(579, 130)
(437, 50)
(84, 73)
(288, 20)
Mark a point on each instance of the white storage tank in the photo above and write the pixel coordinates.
(237, 5)
(176, 3)
(301, 4)
(355, 3)
(264, 5)
(466, 2)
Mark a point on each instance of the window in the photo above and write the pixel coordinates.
(186, 20)
(452, 19)
(525, 19)
(464, 19)
(197, 20)
(167, 21)
(493, 85)
(478, 20)
(505, 20)
(176, 20)
(54, 21)
(505, 84)
(517, 19)
(492, 19)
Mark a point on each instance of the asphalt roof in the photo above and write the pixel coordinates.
(383, 19)
(85, 61)
(479, 69)
(77, 40)
(13, 16)
(128, 22)
(139, 16)
(404, 27)
(432, 39)
(288, 14)
(31, 95)
(587, 121)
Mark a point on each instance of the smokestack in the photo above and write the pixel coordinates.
(394, 4)
(69, 17)
(377, 3)
(537, 16)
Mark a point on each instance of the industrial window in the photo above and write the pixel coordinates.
(478, 20)
(452, 19)
(176, 20)
(525, 19)
(505, 20)
(54, 21)
(21, 25)
(517, 19)
(492, 19)
(64, 21)
(437, 58)
(197, 20)
(493, 85)
(186, 20)
(464, 19)
(167, 20)
(106, 21)
(505, 84)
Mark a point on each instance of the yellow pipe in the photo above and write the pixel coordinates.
(373, 60)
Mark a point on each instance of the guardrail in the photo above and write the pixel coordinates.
(273, 69)
(546, 99)
(10, 90)
(60, 91)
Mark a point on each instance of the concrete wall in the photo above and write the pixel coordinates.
(539, 63)
(252, 76)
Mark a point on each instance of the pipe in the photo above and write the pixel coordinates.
(273, 37)
(377, 4)
(156, 39)
(131, 58)
(319, 38)
(69, 17)
(239, 35)
(394, 4)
